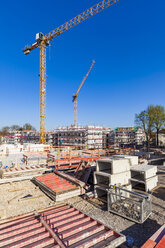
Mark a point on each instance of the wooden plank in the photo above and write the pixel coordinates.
(15, 179)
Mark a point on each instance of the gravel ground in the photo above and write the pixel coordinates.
(138, 233)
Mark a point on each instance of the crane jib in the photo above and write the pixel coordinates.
(43, 40)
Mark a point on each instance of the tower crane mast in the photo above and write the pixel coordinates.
(76, 95)
(42, 41)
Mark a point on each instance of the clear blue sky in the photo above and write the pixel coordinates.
(127, 41)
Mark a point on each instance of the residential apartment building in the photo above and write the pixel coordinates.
(161, 137)
(20, 137)
(82, 137)
(126, 137)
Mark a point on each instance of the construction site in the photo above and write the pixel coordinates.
(80, 186)
(67, 196)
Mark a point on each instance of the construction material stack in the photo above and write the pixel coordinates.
(144, 177)
(109, 172)
(59, 186)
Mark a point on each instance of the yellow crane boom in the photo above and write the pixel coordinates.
(42, 41)
(76, 95)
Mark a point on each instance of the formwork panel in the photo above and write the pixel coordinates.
(83, 231)
(157, 240)
(56, 187)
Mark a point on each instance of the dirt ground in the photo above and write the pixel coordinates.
(21, 197)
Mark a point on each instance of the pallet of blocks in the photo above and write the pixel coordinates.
(143, 177)
(109, 172)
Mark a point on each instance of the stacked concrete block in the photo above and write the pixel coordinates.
(104, 179)
(102, 193)
(133, 159)
(113, 166)
(109, 172)
(144, 176)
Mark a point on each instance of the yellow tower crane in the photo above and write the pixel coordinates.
(42, 41)
(76, 95)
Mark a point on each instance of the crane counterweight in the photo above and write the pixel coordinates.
(39, 37)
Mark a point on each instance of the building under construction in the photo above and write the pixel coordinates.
(90, 137)
(87, 136)
(126, 137)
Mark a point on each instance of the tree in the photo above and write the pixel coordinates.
(15, 127)
(145, 121)
(5, 131)
(28, 126)
(158, 115)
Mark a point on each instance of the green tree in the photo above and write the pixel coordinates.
(145, 121)
(28, 126)
(158, 115)
(15, 127)
(5, 131)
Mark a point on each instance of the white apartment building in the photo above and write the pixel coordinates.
(82, 136)
(126, 137)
